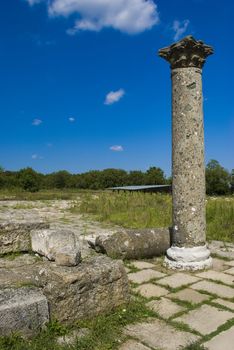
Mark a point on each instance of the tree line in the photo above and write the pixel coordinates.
(218, 180)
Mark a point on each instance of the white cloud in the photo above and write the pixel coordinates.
(180, 28)
(71, 119)
(36, 122)
(117, 148)
(128, 16)
(114, 96)
(36, 156)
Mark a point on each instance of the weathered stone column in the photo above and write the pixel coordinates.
(188, 250)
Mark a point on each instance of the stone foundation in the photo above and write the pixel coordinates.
(15, 236)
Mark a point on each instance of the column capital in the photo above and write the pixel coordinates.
(187, 52)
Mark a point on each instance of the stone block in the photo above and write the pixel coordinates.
(205, 319)
(217, 276)
(58, 245)
(218, 264)
(150, 290)
(214, 288)
(178, 279)
(23, 310)
(159, 335)
(68, 257)
(97, 285)
(165, 307)
(144, 276)
(189, 295)
(15, 236)
(134, 244)
(223, 340)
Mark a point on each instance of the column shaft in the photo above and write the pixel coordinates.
(188, 158)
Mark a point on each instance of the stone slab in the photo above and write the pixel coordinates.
(15, 236)
(217, 276)
(150, 290)
(224, 340)
(229, 263)
(22, 310)
(142, 265)
(178, 280)
(214, 288)
(218, 264)
(206, 319)
(133, 345)
(226, 303)
(159, 335)
(144, 276)
(230, 271)
(189, 295)
(222, 249)
(165, 307)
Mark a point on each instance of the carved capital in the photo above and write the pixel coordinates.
(187, 52)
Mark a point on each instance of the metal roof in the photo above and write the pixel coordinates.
(137, 188)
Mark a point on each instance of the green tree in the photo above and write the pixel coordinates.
(59, 179)
(217, 179)
(232, 181)
(154, 176)
(29, 180)
(136, 177)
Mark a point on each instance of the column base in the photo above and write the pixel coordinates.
(196, 258)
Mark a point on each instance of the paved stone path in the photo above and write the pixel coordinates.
(189, 307)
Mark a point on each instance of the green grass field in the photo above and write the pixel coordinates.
(143, 210)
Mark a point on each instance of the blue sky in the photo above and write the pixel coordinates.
(81, 85)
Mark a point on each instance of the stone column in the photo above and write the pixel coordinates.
(188, 250)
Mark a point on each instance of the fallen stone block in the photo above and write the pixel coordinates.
(15, 236)
(96, 286)
(22, 310)
(134, 244)
(58, 245)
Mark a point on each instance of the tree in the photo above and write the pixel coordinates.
(217, 179)
(59, 179)
(232, 181)
(29, 180)
(136, 177)
(154, 176)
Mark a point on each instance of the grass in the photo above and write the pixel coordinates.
(143, 210)
(18, 194)
(105, 331)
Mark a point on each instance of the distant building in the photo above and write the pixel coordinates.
(145, 188)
